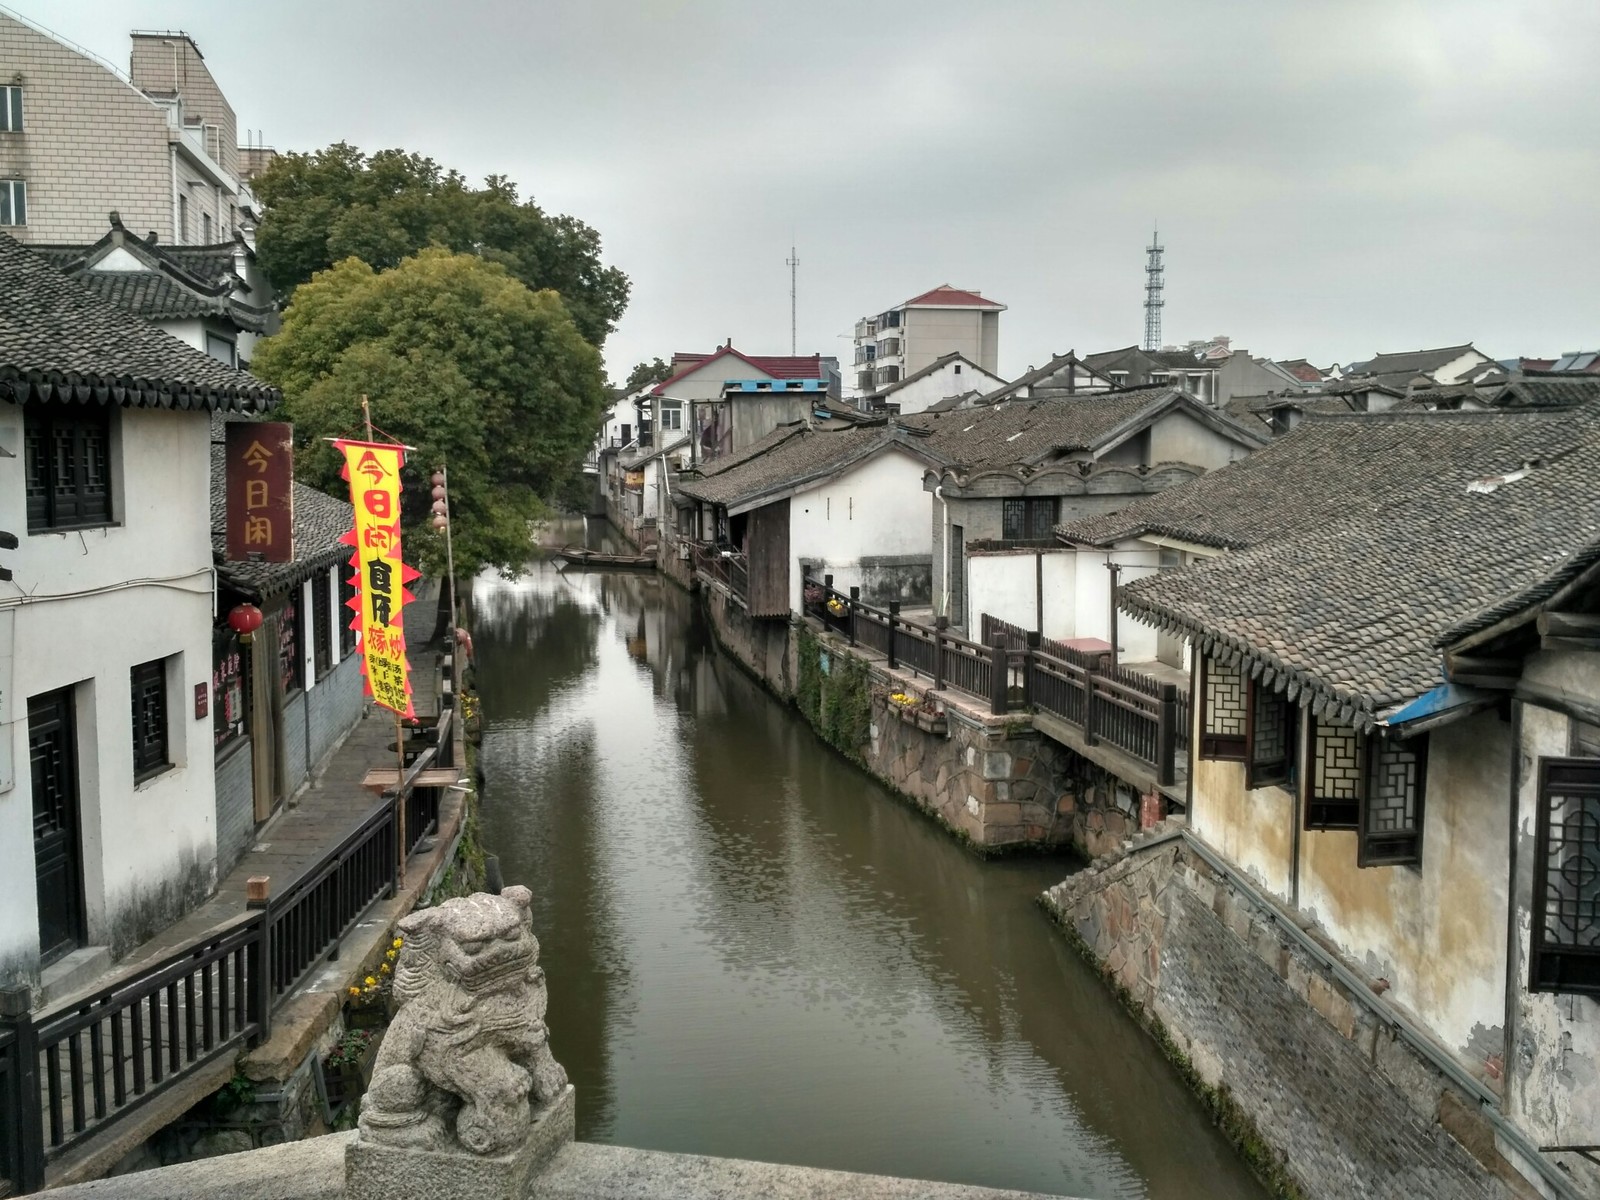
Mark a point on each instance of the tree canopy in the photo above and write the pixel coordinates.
(335, 203)
(459, 360)
(646, 372)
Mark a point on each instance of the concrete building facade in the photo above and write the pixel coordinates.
(903, 340)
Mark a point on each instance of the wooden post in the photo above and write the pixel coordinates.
(1167, 734)
(894, 621)
(1116, 574)
(855, 599)
(22, 1088)
(256, 889)
(940, 624)
(1029, 649)
(1090, 675)
(400, 792)
(998, 671)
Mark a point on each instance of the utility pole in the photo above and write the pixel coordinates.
(793, 261)
(1153, 302)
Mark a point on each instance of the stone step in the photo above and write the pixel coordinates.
(74, 973)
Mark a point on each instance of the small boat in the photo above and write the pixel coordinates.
(577, 556)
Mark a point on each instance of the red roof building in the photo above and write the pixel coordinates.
(920, 331)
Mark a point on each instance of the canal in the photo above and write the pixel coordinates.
(754, 950)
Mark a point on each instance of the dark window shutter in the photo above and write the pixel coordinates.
(1269, 737)
(1013, 516)
(1391, 805)
(149, 686)
(321, 624)
(1223, 712)
(1566, 878)
(68, 467)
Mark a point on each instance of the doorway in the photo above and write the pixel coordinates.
(958, 576)
(57, 840)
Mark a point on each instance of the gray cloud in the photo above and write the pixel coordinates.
(1332, 177)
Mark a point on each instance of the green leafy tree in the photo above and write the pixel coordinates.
(458, 359)
(336, 203)
(645, 373)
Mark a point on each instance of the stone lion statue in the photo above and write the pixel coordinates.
(466, 1060)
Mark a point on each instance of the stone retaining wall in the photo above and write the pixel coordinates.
(1318, 1089)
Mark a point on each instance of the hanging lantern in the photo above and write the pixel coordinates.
(438, 491)
(439, 509)
(244, 619)
(438, 479)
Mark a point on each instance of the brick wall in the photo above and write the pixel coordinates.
(335, 707)
(1338, 1099)
(294, 740)
(236, 821)
(90, 143)
(167, 64)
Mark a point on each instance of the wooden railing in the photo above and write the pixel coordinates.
(727, 567)
(76, 1069)
(1014, 669)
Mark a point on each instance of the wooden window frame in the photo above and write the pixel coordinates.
(1217, 747)
(49, 509)
(1332, 812)
(346, 615)
(152, 754)
(1388, 848)
(292, 667)
(1270, 772)
(1558, 968)
(321, 625)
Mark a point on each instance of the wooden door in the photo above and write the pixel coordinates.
(958, 576)
(57, 841)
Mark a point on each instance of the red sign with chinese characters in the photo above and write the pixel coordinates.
(260, 482)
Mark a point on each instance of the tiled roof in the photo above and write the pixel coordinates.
(790, 461)
(320, 521)
(1029, 432)
(1372, 539)
(60, 341)
(944, 294)
(160, 298)
(1039, 375)
(778, 366)
(1410, 362)
(937, 364)
(1530, 391)
(1301, 370)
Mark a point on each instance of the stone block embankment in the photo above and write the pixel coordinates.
(1327, 1097)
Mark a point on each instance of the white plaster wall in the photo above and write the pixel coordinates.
(1554, 1080)
(877, 507)
(1137, 642)
(705, 381)
(1178, 437)
(932, 332)
(86, 608)
(949, 380)
(1006, 585)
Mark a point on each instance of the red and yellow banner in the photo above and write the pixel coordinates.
(373, 469)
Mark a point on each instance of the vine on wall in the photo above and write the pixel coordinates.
(838, 702)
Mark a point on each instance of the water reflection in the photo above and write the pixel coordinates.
(753, 950)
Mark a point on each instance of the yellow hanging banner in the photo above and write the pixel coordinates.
(373, 469)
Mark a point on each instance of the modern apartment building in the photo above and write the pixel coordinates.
(78, 139)
(912, 335)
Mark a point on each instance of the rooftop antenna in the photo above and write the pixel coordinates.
(1152, 292)
(792, 262)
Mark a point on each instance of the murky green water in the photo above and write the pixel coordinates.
(753, 950)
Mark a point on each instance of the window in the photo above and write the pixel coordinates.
(1396, 779)
(11, 110)
(149, 682)
(1197, 385)
(68, 467)
(183, 219)
(205, 228)
(1585, 739)
(321, 624)
(1223, 717)
(13, 202)
(221, 349)
(228, 688)
(672, 417)
(1118, 378)
(289, 664)
(1566, 878)
(347, 593)
(1028, 520)
(1334, 767)
(1160, 377)
(1168, 560)
(1270, 737)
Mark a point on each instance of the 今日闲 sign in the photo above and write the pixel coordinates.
(373, 469)
(259, 462)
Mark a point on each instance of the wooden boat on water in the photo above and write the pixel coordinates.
(578, 556)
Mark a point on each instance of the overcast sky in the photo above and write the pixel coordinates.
(1332, 177)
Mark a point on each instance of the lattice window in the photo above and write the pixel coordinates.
(1566, 909)
(1335, 771)
(67, 462)
(149, 684)
(1274, 724)
(289, 663)
(321, 624)
(1391, 809)
(1224, 716)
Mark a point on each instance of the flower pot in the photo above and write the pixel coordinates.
(347, 1081)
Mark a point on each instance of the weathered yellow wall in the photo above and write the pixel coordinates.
(1253, 830)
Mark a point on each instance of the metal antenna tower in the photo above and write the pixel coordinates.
(1152, 293)
(792, 262)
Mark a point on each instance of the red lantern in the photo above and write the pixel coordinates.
(437, 479)
(244, 619)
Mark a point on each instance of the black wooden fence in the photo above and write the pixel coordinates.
(66, 1075)
(1014, 669)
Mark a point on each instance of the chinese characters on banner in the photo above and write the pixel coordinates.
(373, 470)
(259, 461)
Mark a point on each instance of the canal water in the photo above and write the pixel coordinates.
(754, 950)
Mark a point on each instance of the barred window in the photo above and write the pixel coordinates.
(1031, 519)
(1334, 769)
(321, 624)
(289, 643)
(1223, 715)
(1391, 804)
(67, 462)
(1566, 881)
(149, 685)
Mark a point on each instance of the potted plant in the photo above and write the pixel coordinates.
(472, 717)
(370, 1003)
(347, 1068)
